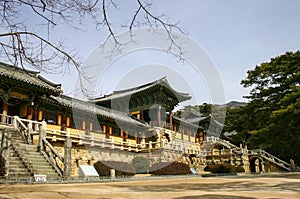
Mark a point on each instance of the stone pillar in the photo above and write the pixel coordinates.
(30, 132)
(5, 143)
(42, 131)
(263, 167)
(257, 170)
(4, 111)
(293, 167)
(67, 157)
(112, 173)
(143, 141)
(158, 116)
(246, 163)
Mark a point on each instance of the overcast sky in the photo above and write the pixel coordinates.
(237, 35)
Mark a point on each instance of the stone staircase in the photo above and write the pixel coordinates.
(210, 142)
(17, 168)
(25, 160)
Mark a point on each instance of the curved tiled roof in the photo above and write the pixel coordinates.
(97, 110)
(128, 92)
(27, 76)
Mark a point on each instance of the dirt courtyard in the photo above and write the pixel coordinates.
(244, 187)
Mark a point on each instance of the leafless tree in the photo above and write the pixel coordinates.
(21, 45)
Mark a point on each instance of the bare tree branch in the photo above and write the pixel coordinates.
(107, 23)
(19, 44)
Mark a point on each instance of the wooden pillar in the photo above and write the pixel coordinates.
(171, 120)
(182, 132)
(125, 136)
(29, 112)
(110, 130)
(35, 113)
(142, 115)
(136, 136)
(4, 111)
(63, 122)
(121, 133)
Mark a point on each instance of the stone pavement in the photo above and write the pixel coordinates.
(244, 187)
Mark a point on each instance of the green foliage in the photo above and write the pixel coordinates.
(141, 164)
(170, 168)
(271, 120)
(224, 168)
(121, 168)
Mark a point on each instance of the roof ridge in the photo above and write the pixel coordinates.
(122, 93)
(28, 77)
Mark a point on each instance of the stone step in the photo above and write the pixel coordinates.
(45, 172)
(41, 163)
(48, 176)
(42, 167)
(32, 154)
(29, 153)
(14, 158)
(17, 170)
(12, 154)
(19, 175)
(15, 136)
(36, 160)
(25, 146)
(16, 165)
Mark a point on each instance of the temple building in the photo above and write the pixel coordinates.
(44, 131)
(137, 120)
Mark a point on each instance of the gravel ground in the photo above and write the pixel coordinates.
(239, 187)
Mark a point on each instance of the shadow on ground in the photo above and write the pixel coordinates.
(209, 187)
(214, 197)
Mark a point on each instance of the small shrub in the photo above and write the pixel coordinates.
(141, 164)
(224, 168)
(2, 166)
(121, 168)
(170, 168)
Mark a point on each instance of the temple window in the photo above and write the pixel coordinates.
(115, 132)
(131, 135)
(50, 117)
